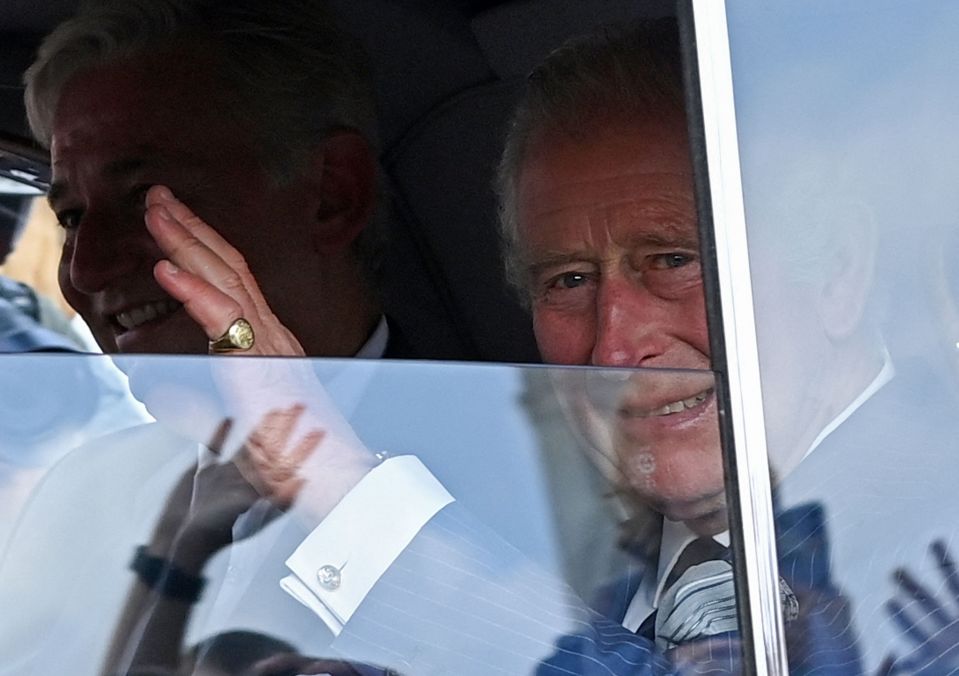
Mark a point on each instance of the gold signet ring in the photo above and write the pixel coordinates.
(238, 338)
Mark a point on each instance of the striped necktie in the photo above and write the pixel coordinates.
(698, 597)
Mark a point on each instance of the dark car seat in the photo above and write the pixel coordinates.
(447, 77)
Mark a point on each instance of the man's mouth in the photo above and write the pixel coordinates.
(148, 312)
(671, 408)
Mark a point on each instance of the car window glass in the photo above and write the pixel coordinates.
(88, 478)
(845, 117)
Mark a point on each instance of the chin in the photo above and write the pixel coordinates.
(709, 524)
(702, 509)
(697, 497)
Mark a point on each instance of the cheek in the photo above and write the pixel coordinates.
(563, 338)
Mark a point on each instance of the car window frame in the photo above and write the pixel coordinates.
(732, 332)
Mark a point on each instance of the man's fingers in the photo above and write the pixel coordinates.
(305, 448)
(948, 567)
(215, 444)
(209, 307)
(907, 624)
(282, 466)
(886, 666)
(274, 466)
(927, 603)
(273, 433)
(185, 249)
(162, 198)
(198, 254)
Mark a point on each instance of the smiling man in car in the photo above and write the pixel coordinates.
(600, 224)
(601, 236)
(261, 117)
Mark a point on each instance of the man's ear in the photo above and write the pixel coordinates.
(346, 168)
(848, 278)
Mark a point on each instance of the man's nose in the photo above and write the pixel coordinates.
(101, 250)
(630, 328)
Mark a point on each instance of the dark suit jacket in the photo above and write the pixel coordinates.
(398, 346)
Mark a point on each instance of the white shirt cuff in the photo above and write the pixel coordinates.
(337, 564)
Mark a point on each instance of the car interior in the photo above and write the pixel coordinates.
(446, 75)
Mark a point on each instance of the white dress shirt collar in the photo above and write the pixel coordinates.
(676, 535)
(375, 345)
(885, 374)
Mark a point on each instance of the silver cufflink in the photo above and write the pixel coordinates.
(329, 577)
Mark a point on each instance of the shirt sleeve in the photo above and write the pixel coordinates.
(338, 563)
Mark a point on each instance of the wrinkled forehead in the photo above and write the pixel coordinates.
(662, 219)
(137, 99)
(606, 204)
(616, 195)
(625, 173)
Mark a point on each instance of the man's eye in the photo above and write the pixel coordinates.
(68, 219)
(569, 280)
(673, 274)
(672, 260)
(567, 289)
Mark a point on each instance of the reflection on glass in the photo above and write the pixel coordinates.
(206, 540)
(49, 406)
(846, 115)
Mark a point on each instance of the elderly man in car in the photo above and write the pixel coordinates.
(260, 117)
(600, 221)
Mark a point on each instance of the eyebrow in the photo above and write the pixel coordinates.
(554, 260)
(674, 237)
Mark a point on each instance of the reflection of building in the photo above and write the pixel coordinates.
(586, 518)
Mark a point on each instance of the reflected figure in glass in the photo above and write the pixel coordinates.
(848, 169)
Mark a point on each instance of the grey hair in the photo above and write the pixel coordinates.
(290, 75)
(613, 74)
